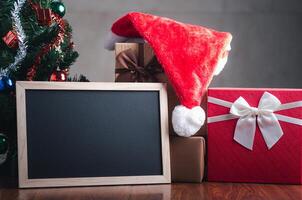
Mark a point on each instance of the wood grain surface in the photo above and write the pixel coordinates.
(182, 191)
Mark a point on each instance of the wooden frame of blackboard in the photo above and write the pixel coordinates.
(25, 182)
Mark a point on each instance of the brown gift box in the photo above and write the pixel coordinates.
(187, 159)
(142, 54)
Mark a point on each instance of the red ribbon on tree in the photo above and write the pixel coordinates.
(48, 47)
(43, 15)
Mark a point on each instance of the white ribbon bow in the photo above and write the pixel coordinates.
(263, 115)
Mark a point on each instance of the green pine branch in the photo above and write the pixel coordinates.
(37, 37)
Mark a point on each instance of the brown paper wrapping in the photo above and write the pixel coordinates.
(187, 159)
(144, 54)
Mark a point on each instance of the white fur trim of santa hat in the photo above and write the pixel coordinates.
(185, 121)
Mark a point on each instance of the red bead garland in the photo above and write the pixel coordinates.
(48, 47)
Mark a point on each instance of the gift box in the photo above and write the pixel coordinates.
(187, 159)
(255, 135)
(136, 62)
(10, 39)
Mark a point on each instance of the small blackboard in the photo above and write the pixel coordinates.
(72, 134)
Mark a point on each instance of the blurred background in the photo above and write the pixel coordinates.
(266, 46)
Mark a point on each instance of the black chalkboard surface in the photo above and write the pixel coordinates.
(99, 131)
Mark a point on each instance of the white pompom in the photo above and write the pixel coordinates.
(186, 122)
(113, 38)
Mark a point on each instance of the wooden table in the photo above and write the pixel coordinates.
(232, 191)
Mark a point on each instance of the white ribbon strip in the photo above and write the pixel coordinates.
(263, 115)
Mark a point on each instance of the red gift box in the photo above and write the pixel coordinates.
(274, 155)
(11, 39)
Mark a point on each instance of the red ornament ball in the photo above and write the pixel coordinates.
(59, 75)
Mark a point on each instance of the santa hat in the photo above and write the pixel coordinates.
(189, 54)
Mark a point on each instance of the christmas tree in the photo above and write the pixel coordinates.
(35, 45)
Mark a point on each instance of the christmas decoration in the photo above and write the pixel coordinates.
(3, 148)
(59, 75)
(43, 15)
(48, 47)
(21, 53)
(2, 85)
(10, 39)
(43, 44)
(58, 8)
(190, 56)
(6, 83)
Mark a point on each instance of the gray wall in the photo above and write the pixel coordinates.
(266, 47)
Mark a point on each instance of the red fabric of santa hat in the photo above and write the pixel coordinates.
(189, 54)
